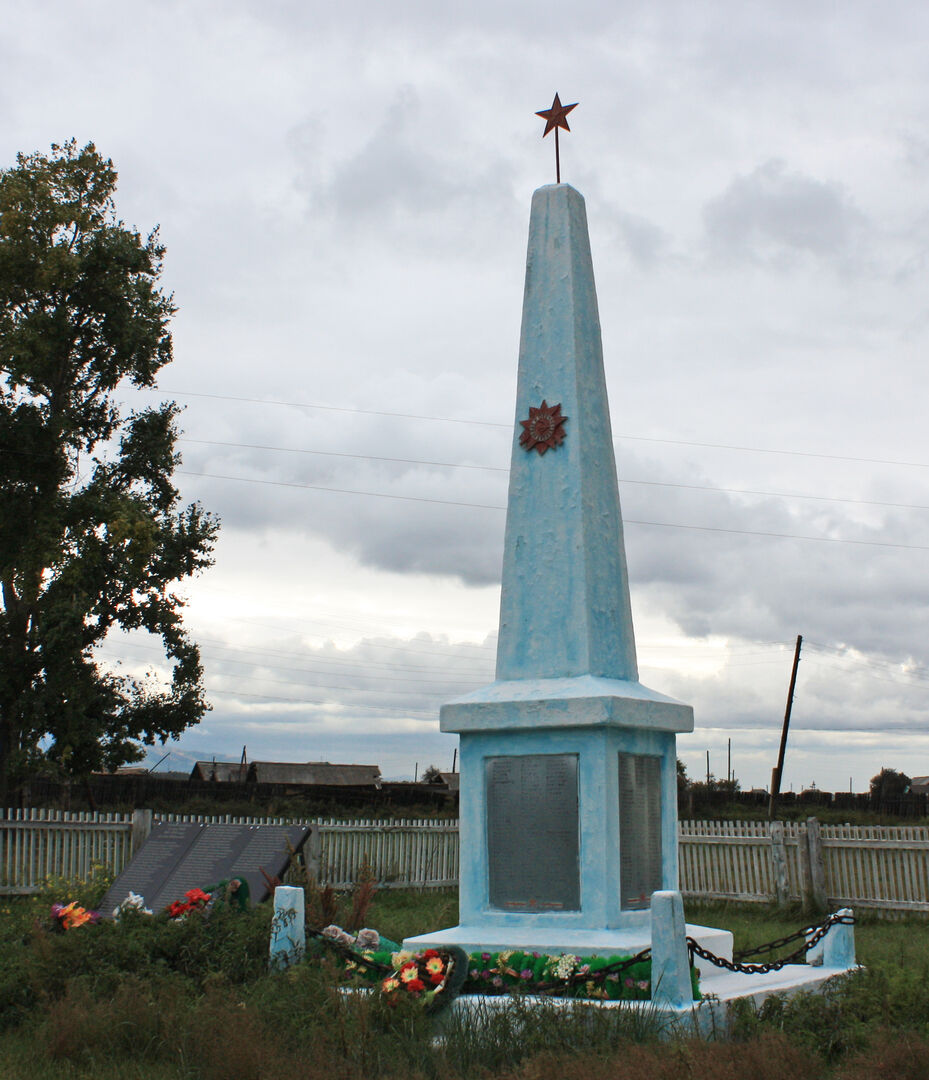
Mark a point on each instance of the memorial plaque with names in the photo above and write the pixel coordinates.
(180, 856)
(533, 846)
(639, 829)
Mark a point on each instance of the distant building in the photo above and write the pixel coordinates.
(450, 780)
(289, 773)
(223, 771)
(919, 785)
(316, 773)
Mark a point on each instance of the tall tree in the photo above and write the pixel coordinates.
(92, 532)
(889, 784)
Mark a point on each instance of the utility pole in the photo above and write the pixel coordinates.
(729, 764)
(707, 771)
(779, 768)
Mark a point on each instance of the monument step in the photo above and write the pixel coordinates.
(581, 942)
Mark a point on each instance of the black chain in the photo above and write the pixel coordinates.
(772, 946)
(773, 965)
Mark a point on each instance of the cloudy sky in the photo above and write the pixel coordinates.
(343, 190)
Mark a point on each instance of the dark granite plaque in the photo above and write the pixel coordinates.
(639, 829)
(533, 847)
(178, 857)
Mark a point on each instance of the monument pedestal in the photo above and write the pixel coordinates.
(568, 817)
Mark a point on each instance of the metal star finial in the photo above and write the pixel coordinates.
(555, 118)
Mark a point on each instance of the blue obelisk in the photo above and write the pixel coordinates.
(568, 818)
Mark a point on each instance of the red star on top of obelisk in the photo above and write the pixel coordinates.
(555, 118)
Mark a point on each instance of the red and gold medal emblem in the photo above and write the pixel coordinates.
(544, 430)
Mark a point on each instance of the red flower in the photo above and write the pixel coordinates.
(436, 978)
(415, 985)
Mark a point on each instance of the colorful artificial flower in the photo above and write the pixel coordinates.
(133, 902)
(194, 900)
(69, 916)
(423, 976)
(434, 965)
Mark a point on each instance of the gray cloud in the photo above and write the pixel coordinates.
(772, 214)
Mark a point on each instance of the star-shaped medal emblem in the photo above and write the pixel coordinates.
(544, 430)
(556, 116)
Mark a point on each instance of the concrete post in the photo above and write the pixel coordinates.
(670, 960)
(814, 839)
(288, 929)
(312, 853)
(779, 862)
(141, 827)
(839, 944)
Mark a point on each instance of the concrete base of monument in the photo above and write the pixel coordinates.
(487, 937)
(709, 1016)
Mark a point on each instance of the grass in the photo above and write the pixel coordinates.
(193, 1001)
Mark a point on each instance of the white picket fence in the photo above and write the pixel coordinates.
(881, 867)
(36, 845)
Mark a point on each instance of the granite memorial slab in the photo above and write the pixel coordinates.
(178, 856)
(532, 832)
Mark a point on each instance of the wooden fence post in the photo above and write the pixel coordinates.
(141, 827)
(806, 875)
(312, 853)
(814, 840)
(779, 862)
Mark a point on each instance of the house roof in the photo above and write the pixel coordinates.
(224, 771)
(451, 780)
(322, 773)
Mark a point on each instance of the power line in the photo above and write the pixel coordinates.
(881, 665)
(340, 454)
(339, 491)
(779, 536)
(627, 521)
(502, 469)
(430, 713)
(488, 423)
(775, 494)
(916, 683)
(439, 692)
(327, 408)
(355, 629)
(442, 680)
(363, 663)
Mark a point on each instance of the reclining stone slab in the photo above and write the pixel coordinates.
(178, 856)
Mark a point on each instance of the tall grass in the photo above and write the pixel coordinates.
(194, 1001)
